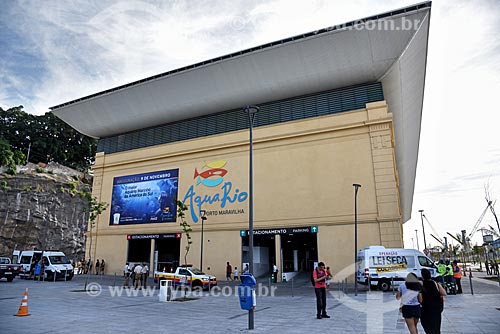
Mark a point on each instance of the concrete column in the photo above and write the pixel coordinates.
(295, 260)
(152, 258)
(277, 247)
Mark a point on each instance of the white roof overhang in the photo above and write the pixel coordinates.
(345, 55)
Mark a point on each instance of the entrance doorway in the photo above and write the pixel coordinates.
(139, 250)
(264, 253)
(299, 251)
(169, 251)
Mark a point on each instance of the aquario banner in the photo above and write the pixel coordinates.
(145, 198)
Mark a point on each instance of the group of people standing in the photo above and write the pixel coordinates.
(491, 268)
(235, 272)
(450, 274)
(138, 273)
(84, 267)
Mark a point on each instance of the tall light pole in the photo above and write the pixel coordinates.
(416, 236)
(252, 112)
(203, 216)
(356, 187)
(423, 228)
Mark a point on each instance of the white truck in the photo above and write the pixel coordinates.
(382, 267)
(55, 264)
(187, 276)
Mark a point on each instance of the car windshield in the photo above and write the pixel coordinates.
(59, 259)
(197, 271)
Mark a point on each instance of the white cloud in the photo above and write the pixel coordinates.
(70, 49)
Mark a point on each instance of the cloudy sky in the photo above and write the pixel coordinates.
(55, 51)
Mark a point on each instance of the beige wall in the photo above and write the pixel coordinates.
(303, 176)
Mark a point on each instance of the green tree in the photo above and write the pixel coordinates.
(186, 228)
(47, 137)
(6, 155)
(19, 158)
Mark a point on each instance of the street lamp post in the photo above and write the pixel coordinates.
(203, 216)
(423, 228)
(252, 112)
(356, 188)
(416, 236)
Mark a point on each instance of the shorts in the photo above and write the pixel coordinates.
(411, 311)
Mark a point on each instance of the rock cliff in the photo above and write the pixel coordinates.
(43, 208)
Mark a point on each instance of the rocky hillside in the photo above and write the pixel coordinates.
(42, 207)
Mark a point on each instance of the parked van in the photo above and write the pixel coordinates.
(55, 264)
(381, 267)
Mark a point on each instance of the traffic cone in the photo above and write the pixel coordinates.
(23, 309)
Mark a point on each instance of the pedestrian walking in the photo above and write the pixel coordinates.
(432, 300)
(236, 273)
(145, 274)
(97, 267)
(126, 275)
(320, 276)
(229, 270)
(408, 293)
(102, 266)
(275, 273)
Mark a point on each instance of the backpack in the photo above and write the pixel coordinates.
(312, 278)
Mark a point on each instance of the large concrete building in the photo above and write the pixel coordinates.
(338, 106)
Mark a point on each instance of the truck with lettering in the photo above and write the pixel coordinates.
(8, 269)
(187, 276)
(386, 268)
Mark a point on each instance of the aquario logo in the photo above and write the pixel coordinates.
(213, 176)
(210, 177)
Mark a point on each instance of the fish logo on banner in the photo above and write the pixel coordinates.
(213, 176)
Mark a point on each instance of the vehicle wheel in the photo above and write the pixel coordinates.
(197, 286)
(10, 278)
(50, 276)
(69, 278)
(384, 285)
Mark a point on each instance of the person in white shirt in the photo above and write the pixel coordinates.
(408, 293)
(275, 273)
(236, 272)
(138, 276)
(145, 274)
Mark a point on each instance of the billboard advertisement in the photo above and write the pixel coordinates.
(144, 198)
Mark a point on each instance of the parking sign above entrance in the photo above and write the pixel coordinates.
(273, 231)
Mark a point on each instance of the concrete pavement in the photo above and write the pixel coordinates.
(63, 307)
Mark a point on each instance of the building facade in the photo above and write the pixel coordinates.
(327, 120)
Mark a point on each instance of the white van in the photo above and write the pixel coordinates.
(381, 267)
(55, 263)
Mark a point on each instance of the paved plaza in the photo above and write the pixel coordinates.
(63, 307)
